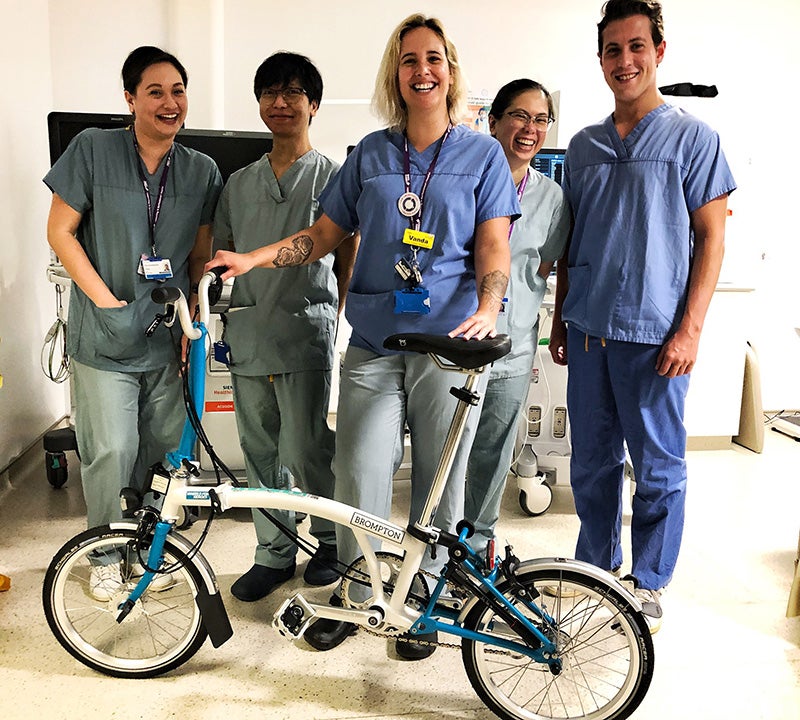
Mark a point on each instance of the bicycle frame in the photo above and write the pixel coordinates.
(388, 612)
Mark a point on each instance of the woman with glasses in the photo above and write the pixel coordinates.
(130, 208)
(519, 118)
(433, 200)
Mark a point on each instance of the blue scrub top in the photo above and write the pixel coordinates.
(632, 199)
(471, 184)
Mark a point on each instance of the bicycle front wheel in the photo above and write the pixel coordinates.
(603, 644)
(163, 630)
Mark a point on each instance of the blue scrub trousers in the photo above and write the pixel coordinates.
(283, 421)
(124, 422)
(615, 397)
(378, 396)
(492, 453)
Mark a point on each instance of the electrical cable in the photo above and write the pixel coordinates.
(54, 359)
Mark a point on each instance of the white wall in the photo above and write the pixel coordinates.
(28, 402)
(66, 55)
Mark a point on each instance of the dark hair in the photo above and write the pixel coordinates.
(283, 67)
(621, 9)
(509, 92)
(142, 58)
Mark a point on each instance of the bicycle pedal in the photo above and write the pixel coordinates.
(293, 617)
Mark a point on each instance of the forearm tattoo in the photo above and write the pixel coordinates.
(301, 248)
(494, 286)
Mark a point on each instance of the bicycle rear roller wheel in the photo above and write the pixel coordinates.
(603, 644)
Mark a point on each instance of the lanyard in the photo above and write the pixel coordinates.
(417, 202)
(520, 191)
(152, 213)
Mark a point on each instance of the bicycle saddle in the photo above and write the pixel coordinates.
(467, 354)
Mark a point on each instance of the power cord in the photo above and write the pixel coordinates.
(54, 359)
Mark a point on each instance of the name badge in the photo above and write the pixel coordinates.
(155, 268)
(417, 238)
(416, 301)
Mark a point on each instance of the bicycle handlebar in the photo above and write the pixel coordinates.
(208, 292)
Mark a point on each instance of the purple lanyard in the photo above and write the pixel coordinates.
(152, 215)
(520, 191)
(415, 220)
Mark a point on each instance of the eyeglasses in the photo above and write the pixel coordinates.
(540, 122)
(290, 95)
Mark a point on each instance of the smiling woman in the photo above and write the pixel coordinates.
(432, 201)
(129, 207)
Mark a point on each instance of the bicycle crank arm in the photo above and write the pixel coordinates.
(294, 616)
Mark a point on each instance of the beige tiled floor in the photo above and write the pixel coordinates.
(726, 650)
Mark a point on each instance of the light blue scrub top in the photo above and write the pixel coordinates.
(97, 177)
(471, 184)
(279, 320)
(631, 248)
(540, 235)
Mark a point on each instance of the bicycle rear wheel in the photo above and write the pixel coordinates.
(604, 646)
(163, 630)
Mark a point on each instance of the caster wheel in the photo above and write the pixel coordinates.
(538, 501)
(56, 468)
(188, 516)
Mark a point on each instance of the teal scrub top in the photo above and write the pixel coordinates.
(98, 178)
(540, 235)
(281, 320)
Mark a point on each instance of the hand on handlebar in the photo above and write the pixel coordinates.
(236, 263)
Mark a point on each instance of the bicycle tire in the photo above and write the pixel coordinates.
(163, 630)
(604, 645)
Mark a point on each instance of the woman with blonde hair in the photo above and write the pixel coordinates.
(433, 201)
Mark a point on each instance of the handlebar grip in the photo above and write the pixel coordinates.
(165, 294)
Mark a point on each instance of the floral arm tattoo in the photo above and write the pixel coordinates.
(302, 245)
(494, 286)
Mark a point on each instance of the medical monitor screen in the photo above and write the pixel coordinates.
(550, 162)
(230, 149)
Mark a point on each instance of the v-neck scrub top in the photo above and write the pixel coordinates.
(471, 183)
(631, 248)
(97, 177)
(284, 321)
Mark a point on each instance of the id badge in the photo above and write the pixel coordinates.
(155, 268)
(417, 238)
(416, 301)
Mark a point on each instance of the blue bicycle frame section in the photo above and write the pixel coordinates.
(197, 390)
(428, 622)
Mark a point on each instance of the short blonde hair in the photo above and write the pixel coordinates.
(387, 101)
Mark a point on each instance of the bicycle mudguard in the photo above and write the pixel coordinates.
(215, 617)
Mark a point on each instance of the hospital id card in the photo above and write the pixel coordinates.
(417, 238)
(155, 268)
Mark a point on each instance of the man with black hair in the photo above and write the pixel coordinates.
(648, 188)
(281, 327)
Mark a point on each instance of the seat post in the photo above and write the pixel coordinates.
(466, 399)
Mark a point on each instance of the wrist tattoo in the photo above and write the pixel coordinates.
(295, 255)
(494, 286)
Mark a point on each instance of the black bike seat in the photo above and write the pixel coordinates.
(467, 354)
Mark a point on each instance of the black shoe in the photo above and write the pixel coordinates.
(259, 581)
(409, 647)
(326, 634)
(321, 568)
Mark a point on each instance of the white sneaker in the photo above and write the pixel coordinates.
(651, 603)
(105, 581)
(160, 581)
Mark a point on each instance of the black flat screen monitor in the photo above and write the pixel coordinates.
(550, 162)
(230, 149)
